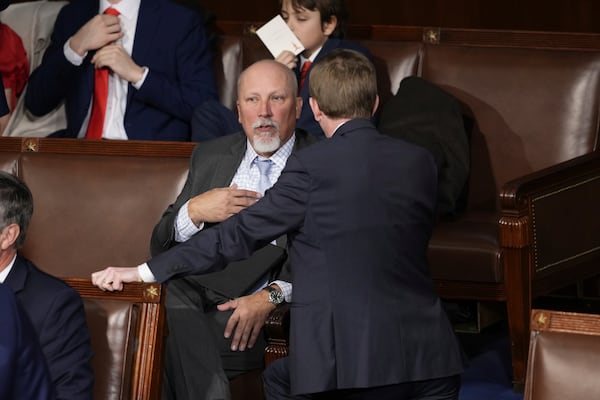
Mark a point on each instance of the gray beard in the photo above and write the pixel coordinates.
(266, 143)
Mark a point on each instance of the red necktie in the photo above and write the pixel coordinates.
(303, 73)
(96, 124)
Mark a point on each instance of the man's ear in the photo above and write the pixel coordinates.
(329, 26)
(376, 105)
(314, 106)
(298, 106)
(9, 236)
(237, 104)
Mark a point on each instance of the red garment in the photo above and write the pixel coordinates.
(96, 124)
(304, 73)
(14, 64)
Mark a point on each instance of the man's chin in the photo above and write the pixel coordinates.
(266, 145)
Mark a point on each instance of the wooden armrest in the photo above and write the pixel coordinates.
(551, 213)
(277, 329)
(549, 180)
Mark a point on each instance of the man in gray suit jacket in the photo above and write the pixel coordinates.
(358, 209)
(222, 180)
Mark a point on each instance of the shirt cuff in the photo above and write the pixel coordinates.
(184, 226)
(286, 289)
(139, 83)
(145, 273)
(70, 54)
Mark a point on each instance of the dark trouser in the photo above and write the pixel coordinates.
(198, 360)
(277, 387)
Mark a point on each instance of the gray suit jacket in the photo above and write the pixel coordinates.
(213, 164)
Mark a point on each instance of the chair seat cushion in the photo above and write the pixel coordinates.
(467, 248)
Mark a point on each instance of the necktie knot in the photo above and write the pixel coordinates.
(304, 73)
(112, 11)
(264, 167)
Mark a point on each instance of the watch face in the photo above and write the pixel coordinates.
(276, 297)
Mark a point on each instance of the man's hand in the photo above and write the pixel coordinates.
(113, 278)
(115, 57)
(287, 58)
(96, 33)
(218, 204)
(249, 316)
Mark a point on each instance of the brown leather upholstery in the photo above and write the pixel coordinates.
(127, 332)
(564, 356)
(112, 328)
(96, 210)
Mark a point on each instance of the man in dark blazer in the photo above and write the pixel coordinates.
(358, 209)
(163, 77)
(23, 371)
(207, 198)
(54, 309)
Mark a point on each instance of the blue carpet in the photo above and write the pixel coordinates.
(488, 374)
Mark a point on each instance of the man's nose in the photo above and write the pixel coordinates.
(265, 109)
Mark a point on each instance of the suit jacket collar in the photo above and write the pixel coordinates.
(353, 125)
(18, 275)
(228, 163)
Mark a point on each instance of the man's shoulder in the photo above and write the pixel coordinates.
(40, 280)
(303, 138)
(221, 144)
(182, 10)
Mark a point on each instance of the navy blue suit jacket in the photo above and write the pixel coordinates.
(23, 371)
(307, 119)
(57, 314)
(3, 103)
(358, 210)
(170, 40)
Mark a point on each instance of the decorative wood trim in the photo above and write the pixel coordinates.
(515, 232)
(568, 322)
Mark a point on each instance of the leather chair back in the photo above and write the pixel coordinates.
(564, 356)
(92, 211)
(112, 328)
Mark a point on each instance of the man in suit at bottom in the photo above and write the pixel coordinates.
(358, 209)
(268, 107)
(23, 372)
(54, 308)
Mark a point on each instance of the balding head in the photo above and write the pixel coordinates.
(268, 105)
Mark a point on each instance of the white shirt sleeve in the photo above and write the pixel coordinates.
(145, 273)
(70, 54)
(184, 226)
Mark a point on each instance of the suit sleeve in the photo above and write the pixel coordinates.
(67, 347)
(194, 81)
(54, 77)
(282, 210)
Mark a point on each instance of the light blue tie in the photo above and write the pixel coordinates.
(264, 167)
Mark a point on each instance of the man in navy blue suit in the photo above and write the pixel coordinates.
(159, 60)
(358, 209)
(23, 372)
(54, 309)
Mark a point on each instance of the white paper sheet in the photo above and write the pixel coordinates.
(277, 36)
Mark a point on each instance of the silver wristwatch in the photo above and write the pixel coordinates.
(275, 296)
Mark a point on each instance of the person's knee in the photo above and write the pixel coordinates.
(276, 379)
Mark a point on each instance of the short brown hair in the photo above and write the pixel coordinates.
(344, 84)
(327, 9)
